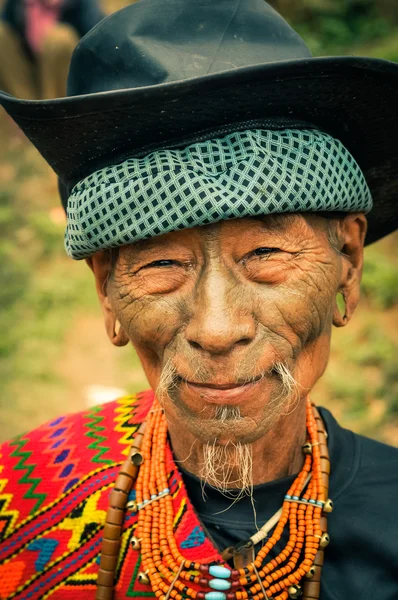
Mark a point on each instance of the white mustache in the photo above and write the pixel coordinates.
(170, 378)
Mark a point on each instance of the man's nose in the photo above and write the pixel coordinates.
(222, 319)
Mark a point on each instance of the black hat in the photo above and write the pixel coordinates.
(167, 73)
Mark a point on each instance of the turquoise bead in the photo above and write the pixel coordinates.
(221, 572)
(215, 596)
(219, 584)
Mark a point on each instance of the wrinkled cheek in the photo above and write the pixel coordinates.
(308, 312)
(309, 322)
(303, 321)
(151, 329)
(312, 363)
(291, 324)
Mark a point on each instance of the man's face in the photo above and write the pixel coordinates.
(217, 313)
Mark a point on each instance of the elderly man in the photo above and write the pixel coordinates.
(216, 179)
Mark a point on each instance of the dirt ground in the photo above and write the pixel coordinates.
(93, 369)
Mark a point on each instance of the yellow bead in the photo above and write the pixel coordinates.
(325, 540)
(135, 543)
(328, 506)
(307, 448)
(143, 578)
(311, 572)
(294, 591)
(132, 505)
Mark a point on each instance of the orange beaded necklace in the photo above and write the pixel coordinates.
(172, 576)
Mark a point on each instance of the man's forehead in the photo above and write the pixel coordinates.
(276, 225)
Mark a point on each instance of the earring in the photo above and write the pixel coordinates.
(116, 328)
(119, 337)
(339, 319)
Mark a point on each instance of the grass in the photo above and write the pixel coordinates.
(361, 382)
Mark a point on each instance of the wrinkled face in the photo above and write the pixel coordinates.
(222, 309)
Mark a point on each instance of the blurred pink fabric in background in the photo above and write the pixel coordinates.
(41, 15)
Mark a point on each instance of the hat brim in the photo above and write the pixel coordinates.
(354, 99)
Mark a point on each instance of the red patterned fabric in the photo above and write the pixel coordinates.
(54, 488)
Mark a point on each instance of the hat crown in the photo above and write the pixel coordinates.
(158, 41)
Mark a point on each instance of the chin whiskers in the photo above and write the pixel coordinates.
(227, 413)
(189, 455)
(228, 468)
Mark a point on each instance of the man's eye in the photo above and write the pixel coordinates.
(264, 251)
(160, 263)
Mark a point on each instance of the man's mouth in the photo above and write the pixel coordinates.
(222, 386)
(221, 393)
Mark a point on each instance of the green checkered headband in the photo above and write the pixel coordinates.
(244, 174)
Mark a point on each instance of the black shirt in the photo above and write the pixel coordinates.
(361, 561)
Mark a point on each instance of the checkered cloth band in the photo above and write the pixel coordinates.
(244, 174)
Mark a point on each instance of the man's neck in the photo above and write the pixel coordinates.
(275, 455)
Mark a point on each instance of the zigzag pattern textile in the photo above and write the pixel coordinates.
(245, 174)
(54, 489)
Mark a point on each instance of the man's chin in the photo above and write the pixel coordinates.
(207, 428)
(239, 414)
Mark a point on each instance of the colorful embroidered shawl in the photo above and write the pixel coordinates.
(54, 488)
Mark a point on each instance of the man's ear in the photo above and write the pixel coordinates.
(352, 231)
(100, 264)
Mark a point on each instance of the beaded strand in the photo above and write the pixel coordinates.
(281, 576)
(293, 573)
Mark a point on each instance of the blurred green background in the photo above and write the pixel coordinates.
(54, 354)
